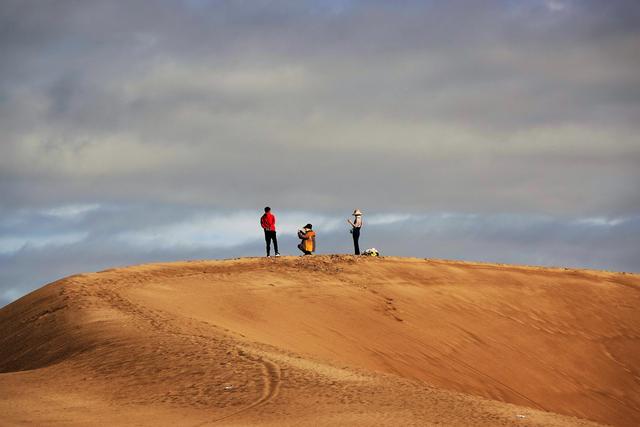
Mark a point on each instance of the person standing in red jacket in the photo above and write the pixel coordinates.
(268, 223)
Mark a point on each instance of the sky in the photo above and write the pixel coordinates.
(136, 131)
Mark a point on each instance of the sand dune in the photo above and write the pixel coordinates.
(326, 340)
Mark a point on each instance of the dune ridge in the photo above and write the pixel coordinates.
(324, 340)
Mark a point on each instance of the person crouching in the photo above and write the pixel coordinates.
(308, 237)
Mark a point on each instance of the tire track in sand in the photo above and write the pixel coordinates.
(272, 379)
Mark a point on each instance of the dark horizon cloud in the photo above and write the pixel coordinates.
(186, 109)
(38, 247)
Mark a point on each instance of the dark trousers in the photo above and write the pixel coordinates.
(356, 236)
(268, 237)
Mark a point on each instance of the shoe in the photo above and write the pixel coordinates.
(277, 254)
(268, 256)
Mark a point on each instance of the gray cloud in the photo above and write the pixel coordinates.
(526, 106)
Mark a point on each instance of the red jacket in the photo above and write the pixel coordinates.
(268, 221)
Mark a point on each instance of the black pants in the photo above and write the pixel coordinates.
(356, 235)
(268, 237)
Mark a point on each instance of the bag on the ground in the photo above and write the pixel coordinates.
(371, 252)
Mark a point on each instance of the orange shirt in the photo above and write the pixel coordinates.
(309, 242)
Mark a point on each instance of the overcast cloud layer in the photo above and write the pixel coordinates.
(497, 130)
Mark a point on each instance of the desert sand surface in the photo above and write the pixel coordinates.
(324, 341)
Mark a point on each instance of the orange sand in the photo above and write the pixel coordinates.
(326, 340)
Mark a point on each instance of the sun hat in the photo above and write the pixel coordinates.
(357, 212)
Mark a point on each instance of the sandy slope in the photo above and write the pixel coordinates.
(324, 341)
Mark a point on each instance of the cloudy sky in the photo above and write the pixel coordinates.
(136, 131)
